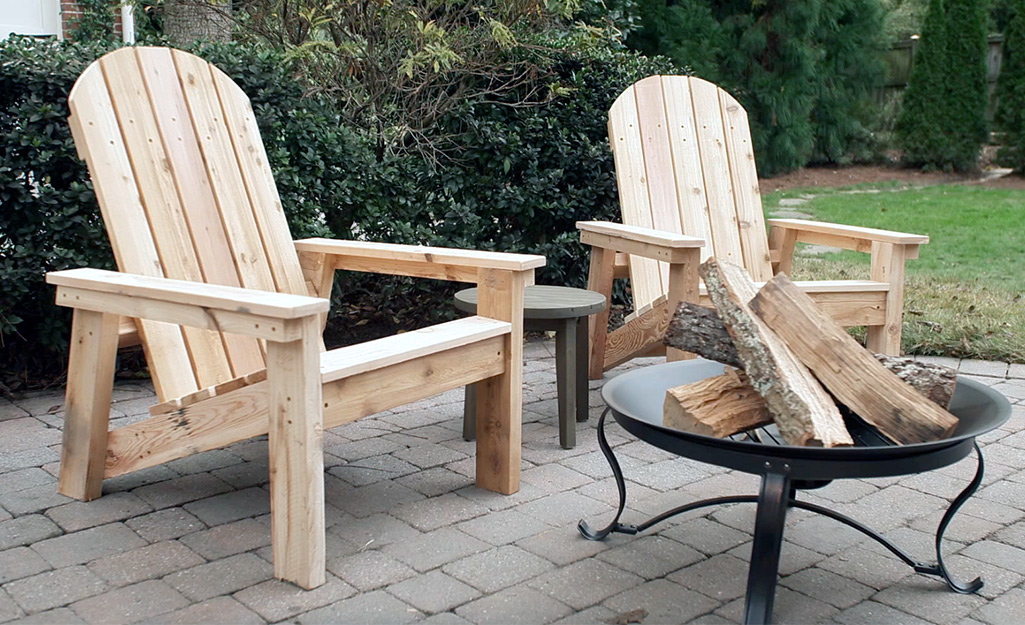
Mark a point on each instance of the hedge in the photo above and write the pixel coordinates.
(521, 179)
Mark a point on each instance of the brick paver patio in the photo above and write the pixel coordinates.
(410, 538)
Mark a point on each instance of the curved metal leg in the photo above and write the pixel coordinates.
(938, 569)
(623, 528)
(615, 526)
(773, 499)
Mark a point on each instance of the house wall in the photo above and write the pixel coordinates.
(71, 12)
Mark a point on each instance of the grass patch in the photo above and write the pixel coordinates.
(965, 294)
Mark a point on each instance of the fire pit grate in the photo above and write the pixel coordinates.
(635, 401)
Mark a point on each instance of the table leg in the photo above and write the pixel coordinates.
(566, 381)
(470, 412)
(769, 520)
(582, 350)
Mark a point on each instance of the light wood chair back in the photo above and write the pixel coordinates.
(685, 164)
(186, 192)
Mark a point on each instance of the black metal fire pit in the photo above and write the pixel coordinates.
(635, 401)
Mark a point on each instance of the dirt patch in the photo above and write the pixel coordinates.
(867, 174)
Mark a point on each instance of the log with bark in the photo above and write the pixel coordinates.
(845, 367)
(803, 411)
(699, 330)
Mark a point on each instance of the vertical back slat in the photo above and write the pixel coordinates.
(160, 200)
(744, 177)
(223, 171)
(193, 187)
(685, 163)
(687, 170)
(631, 180)
(259, 183)
(98, 139)
(658, 164)
(715, 170)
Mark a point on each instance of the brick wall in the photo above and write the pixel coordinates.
(71, 12)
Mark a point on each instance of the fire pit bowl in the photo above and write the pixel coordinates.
(635, 402)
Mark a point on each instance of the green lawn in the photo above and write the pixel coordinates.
(965, 294)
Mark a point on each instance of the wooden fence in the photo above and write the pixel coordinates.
(900, 59)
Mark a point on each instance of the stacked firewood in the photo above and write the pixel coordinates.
(790, 363)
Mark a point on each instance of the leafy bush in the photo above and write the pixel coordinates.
(48, 214)
(966, 84)
(521, 178)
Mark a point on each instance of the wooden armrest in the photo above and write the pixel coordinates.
(418, 261)
(422, 254)
(647, 242)
(263, 314)
(853, 232)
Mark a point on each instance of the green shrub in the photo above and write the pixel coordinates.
(967, 22)
(48, 214)
(920, 127)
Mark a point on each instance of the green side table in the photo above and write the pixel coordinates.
(545, 308)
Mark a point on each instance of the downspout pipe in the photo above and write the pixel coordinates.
(128, 22)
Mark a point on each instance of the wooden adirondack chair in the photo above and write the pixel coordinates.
(689, 190)
(222, 302)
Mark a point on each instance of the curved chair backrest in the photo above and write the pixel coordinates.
(186, 192)
(685, 164)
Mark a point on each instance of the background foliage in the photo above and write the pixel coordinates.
(803, 69)
(522, 177)
(477, 124)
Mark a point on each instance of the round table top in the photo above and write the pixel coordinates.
(545, 302)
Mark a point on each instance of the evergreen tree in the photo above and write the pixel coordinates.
(942, 122)
(967, 23)
(850, 35)
(803, 69)
(774, 61)
(687, 32)
(920, 125)
(1010, 114)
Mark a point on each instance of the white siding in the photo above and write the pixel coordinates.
(29, 17)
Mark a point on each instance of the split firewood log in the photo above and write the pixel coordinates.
(803, 411)
(719, 406)
(699, 330)
(847, 369)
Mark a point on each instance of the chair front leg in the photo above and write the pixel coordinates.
(683, 287)
(599, 279)
(94, 338)
(888, 261)
(500, 398)
(297, 457)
